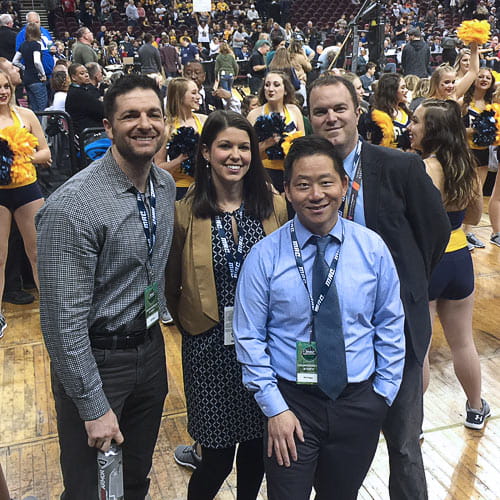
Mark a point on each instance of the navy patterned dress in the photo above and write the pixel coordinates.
(221, 411)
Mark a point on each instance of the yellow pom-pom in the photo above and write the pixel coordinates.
(474, 31)
(496, 75)
(23, 144)
(384, 121)
(289, 138)
(496, 108)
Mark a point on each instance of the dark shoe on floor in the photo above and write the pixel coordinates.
(187, 456)
(495, 239)
(18, 297)
(475, 418)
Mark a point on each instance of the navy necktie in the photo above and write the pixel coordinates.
(332, 371)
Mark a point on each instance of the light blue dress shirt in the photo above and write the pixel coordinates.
(350, 169)
(272, 311)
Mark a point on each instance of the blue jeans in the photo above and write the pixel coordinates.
(37, 96)
(226, 82)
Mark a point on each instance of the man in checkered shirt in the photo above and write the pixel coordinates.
(103, 242)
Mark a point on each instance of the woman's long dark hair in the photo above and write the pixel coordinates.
(257, 194)
(488, 96)
(385, 98)
(445, 136)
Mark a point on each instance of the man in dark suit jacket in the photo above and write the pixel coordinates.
(7, 37)
(397, 200)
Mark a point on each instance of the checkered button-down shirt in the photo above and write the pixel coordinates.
(92, 254)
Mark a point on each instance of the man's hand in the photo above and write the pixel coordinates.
(103, 430)
(281, 429)
(222, 93)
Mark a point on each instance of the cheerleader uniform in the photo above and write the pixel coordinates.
(275, 168)
(17, 194)
(481, 154)
(182, 179)
(453, 277)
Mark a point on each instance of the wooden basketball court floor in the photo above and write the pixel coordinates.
(460, 463)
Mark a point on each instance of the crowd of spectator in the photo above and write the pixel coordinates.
(162, 37)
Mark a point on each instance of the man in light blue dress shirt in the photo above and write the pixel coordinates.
(312, 438)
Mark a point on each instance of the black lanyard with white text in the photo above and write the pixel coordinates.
(149, 228)
(233, 261)
(300, 267)
(350, 203)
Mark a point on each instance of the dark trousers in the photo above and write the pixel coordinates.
(255, 84)
(17, 267)
(135, 383)
(341, 438)
(217, 464)
(402, 428)
(13, 281)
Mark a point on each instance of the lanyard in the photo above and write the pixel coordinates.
(233, 261)
(300, 267)
(350, 205)
(149, 229)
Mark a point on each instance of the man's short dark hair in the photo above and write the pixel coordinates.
(309, 146)
(73, 68)
(275, 41)
(328, 80)
(124, 85)
(148, 38)
(370, 65)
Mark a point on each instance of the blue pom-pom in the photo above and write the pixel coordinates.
(270, 125)
(264, 127)
(184, 141)
(6, 159)
(485, 130)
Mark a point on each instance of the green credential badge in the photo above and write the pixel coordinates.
(307, 363)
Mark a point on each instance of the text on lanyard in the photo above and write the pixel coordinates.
(233, 261)
(149, 229)
(300, 267)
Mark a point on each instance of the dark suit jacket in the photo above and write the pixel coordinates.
(210, 102)
(84, 107)
(402, 205)
(7, 42)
